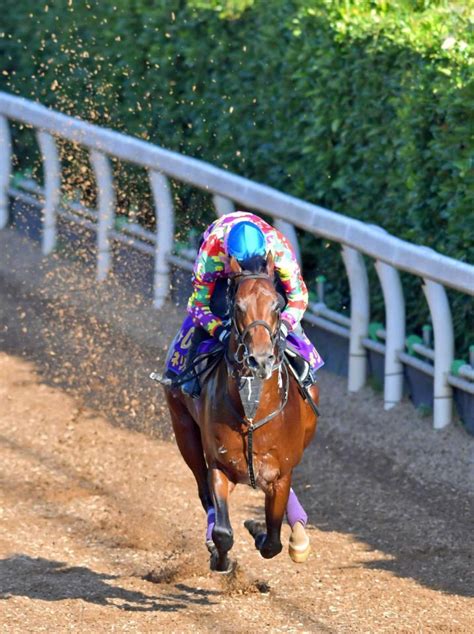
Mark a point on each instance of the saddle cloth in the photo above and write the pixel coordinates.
(298, 343)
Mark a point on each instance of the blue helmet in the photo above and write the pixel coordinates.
(245, 240)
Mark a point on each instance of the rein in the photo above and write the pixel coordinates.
(247, 419)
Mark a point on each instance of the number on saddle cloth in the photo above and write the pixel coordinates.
(177, 357)
(178, 350)
(182, 344)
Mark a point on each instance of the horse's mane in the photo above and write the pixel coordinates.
(254, 264)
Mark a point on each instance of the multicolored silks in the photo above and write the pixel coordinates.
(213, 262)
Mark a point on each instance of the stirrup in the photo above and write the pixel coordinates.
(309, 380)
(302, 369)
(167, 381)
(163, 378)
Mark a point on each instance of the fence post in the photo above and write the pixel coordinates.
(444, 351)
(164, 235)
(5, 169)
(395, 332)
(223, 205)
(289, 231)
(106, 210)
(52, 189)
(360, 316)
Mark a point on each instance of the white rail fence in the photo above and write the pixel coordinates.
(390, 254)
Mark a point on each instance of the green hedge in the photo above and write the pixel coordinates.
(365, 107)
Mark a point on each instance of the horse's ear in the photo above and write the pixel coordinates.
(235, 266)
(270, 265)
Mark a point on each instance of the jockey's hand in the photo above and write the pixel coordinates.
(222, 333)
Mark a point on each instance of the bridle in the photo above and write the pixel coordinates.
(242, 354)
(239, 362)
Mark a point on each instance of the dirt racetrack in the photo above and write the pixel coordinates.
(101, 529)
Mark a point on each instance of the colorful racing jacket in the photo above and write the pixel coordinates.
(213, 263)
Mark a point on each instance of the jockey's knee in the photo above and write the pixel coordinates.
(199, 335)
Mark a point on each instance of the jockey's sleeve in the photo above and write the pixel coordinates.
(207, 270)
(288, 269)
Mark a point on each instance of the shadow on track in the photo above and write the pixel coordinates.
(424, 529)
(47, 580)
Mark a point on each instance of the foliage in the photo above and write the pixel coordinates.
(362, 106)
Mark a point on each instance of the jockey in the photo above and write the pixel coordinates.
(241, 235)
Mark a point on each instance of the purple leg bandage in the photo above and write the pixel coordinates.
(294, 511)
(211, 520)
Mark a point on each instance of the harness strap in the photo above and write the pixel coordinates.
(251, 426)
(254, 426)
(304, 390)
(251, 472)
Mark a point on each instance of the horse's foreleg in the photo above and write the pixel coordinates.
(222, 534)
(188, 439)
(276, 498)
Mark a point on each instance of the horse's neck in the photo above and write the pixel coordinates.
(233, 345)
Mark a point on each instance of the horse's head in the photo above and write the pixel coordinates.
(256, 313)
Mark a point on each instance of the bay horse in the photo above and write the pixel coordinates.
(223, 447)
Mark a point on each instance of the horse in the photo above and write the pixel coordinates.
(223, 446)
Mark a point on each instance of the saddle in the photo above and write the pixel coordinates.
(211, 351)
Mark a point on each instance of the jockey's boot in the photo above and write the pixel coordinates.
(306, 374)
(192, 387)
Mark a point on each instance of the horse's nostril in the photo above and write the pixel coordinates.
(253, 363)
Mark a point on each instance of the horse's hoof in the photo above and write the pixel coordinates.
(221, 565)
(257, 530)
(299, 556)
(228, 569)
(299, 552)
(268, 552)
(254, 528)
(259, 540)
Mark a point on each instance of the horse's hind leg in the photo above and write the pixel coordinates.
(299, 546)
(188, 439)
(222, 534)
